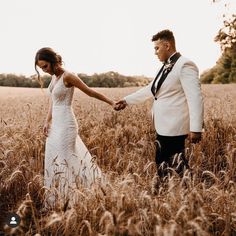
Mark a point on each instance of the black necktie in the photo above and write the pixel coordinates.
(165, 72)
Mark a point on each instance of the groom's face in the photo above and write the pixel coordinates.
(162, 49)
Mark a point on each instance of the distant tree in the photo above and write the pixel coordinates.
(225, 69)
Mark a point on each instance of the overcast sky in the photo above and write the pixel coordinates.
(95, 36)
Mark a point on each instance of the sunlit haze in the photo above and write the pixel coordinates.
(107, 35)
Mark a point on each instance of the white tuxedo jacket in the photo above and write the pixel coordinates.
(179, 105)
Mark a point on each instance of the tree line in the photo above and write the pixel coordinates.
(225, 69)
(109, 79)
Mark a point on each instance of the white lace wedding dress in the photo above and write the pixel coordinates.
(68, 162)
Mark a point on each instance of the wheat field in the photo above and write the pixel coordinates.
(123, 145)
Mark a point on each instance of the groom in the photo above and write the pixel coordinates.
(177, 103)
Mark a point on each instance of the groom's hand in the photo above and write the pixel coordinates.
(195, 137)
(120, 105)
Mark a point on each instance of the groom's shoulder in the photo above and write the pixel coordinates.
(185, 61)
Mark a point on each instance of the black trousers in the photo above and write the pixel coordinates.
(167, 147)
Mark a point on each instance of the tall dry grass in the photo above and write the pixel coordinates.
(203, 203)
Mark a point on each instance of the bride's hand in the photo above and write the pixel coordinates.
(46, 129)
(113, 104)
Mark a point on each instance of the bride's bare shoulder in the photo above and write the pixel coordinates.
(69, 78)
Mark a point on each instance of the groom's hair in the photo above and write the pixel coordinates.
(164, 35)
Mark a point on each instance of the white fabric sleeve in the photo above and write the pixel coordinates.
(140, 96)
(189, 78)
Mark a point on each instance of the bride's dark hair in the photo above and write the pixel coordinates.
(49, 55)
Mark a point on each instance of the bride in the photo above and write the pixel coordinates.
(67, 161)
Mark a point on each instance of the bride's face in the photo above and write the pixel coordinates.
(45, 66)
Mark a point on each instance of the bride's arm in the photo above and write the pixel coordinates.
(73, 80)
(48, 118)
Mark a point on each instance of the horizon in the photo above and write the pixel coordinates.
(99, 37)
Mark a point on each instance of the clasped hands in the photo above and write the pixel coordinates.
(120, 105)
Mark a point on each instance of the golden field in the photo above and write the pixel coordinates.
(123, 144)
